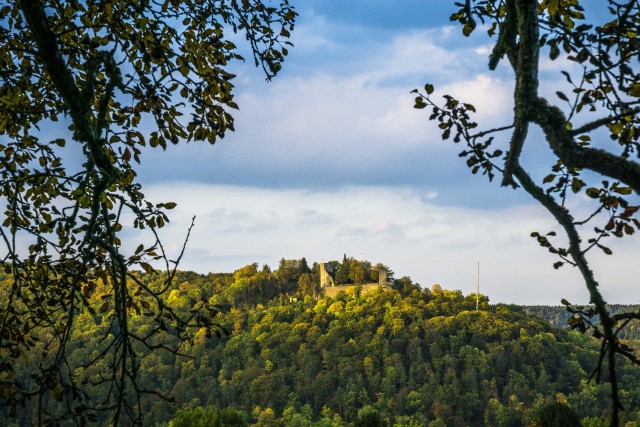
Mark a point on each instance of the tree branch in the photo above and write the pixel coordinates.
(554, 125)
(603, 122)
(564, 218)
(526, 70)
(55, 66)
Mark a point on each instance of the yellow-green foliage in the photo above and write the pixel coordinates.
(411, 357)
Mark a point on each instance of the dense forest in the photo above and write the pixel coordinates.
(287, 356)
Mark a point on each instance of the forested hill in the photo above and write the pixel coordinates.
(400, 357)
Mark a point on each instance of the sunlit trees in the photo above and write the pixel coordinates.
(209, 417)
(414, 358)
(84, 87)
(590, 129)
(356, 272)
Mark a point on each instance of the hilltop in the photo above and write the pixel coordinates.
(397, 356)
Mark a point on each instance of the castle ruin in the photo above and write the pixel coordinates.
(328, 285)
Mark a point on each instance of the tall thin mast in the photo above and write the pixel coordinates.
(478, 287)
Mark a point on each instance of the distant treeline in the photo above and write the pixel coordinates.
(558, 316)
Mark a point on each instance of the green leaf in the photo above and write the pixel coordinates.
(147, 268)
(615, 128)
(622, 190)
(577, 184)
(605, 249)
(428, 88)
(592, 192)
(468, 28)
(57, 393)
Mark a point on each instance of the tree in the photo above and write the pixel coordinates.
(357, 272)
(557, 414)
(342, 272)
(208, 417)
(369, 417)
(96, 72)
(304, 267)
(308, 286)
(604, 80)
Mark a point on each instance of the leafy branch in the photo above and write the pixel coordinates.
(608, 81)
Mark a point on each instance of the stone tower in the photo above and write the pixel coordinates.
(382, 277)
(326, 278)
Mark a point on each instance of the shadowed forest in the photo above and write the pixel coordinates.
(287, 356)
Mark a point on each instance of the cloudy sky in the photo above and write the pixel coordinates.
(330, 158)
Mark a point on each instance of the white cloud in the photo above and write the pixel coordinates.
(351, 124)
(395, 226)
(484, 50)
(492, 97)
(311, 116)
(341, 115)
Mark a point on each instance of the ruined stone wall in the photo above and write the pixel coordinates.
(332, 291)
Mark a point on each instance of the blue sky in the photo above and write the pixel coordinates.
(331, 158)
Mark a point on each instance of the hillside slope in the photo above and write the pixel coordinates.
(411, 357)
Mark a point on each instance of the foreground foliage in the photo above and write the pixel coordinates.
(402, 357)
(80, 82)
(589, 127)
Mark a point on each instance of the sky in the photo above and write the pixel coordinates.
(330, 158)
